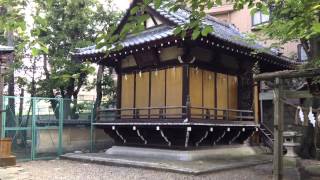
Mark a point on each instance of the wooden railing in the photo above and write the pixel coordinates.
(217, 113)
(143, 113)
(174, 112)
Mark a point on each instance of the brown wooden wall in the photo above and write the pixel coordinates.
(203, 86)
(174, 90)
(160, 88)
(233, 95)
(156, 88)
(222, 92)
(209, 81)
(195, 91)
(127, 94)
(142, 93)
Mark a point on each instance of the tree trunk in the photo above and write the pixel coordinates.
(50, 91)
(74, 109)
(75, 93)
(315, 48)
(97, 103)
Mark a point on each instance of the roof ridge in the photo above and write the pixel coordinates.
(152, 29)
(207, 16)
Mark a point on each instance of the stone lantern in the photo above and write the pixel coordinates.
(291, 142)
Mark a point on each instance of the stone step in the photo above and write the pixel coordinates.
(7, 161)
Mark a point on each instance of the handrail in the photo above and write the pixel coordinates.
(219, 109)
(185, 112)
(144, 108)
(266, 127)
(267, 140)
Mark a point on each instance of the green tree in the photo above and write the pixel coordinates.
(63, 26)
(12, 29)
(105, 87)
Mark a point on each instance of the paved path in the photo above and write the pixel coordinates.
(70, 170)
(208, 165)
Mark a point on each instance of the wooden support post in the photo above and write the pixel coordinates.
(256, 102)
(185, 89)
(207, 114)
(278, 129)
(188, 109)
(119, 89)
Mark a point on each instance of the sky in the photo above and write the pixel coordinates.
(121, 4)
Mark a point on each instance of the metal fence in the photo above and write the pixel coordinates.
(45, 128)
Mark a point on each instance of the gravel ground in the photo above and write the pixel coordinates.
(71, 170)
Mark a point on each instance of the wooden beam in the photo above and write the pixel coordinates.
(287, 94)
(266, 96)
(297, 94)
(278, 129)
(287, 74)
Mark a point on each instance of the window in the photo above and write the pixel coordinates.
(302, 55)
(259, 18)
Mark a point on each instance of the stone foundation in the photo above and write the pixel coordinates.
(74, 138)
(185, 155)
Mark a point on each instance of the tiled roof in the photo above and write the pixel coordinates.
(132, 40)
(6, 48)
(221, 30)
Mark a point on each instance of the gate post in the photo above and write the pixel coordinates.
(33, 128)
(92, 128)
(3, 117)
(60, 131)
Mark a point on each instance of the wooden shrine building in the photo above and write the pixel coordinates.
(175, 92)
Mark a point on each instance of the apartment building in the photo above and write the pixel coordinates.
(248, 23)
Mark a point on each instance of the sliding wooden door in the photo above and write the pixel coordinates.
(174, 91)
(127, 95)
(157, 91)
(142, 94)
(195, 90)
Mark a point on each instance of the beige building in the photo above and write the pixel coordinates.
(248, 23)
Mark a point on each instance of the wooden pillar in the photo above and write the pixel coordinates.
(256, 102)
(278, 129)
(256, 87)
(119, 90)
(245, 88)
(185, 89)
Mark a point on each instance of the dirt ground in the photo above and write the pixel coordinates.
(71, 170)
